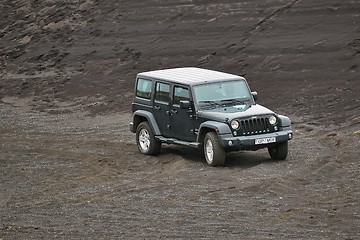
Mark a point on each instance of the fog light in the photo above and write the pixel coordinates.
(230, 143)
(235, 133)
(290, 136)
(275, 128)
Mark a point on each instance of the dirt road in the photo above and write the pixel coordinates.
(69, 167)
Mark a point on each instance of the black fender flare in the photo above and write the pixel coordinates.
(220, 128)
(150, 118)
(284, 121)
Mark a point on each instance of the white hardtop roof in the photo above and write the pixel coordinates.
(189, 75)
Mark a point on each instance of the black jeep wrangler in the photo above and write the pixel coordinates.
(203, 108)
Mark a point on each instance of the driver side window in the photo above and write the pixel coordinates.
(180, 94)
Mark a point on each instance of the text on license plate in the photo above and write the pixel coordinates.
(265, 140)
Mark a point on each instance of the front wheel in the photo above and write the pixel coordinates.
(214, 152)
(279, 151)
(146, 141)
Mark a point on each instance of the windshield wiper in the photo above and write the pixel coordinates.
(234, 100)
(212, 103)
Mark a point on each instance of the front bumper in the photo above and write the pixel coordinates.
(248, 142)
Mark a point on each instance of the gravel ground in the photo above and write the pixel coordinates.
(73, 176)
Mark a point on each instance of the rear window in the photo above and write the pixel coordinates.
(143, 88)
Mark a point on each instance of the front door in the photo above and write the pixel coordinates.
(181, 119)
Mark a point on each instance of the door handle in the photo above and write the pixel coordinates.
(157, 107)
(172, 112)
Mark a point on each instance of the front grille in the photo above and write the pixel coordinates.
(255, 126)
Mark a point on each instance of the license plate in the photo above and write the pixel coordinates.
(265, 140)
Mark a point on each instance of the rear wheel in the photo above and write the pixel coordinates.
(279, 151)
(214, 152)
(146, 141)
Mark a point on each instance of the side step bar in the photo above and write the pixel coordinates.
(175, 141)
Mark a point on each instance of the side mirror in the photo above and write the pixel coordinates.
(185, 104)
(255, 95)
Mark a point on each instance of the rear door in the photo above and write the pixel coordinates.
(161, 107)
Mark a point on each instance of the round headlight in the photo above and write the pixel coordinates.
(272, 120)
(234, 124)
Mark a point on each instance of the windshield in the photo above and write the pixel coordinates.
(222, 92)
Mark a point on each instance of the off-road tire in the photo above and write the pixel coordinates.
(279, 151)
(146, 141)
(213, 151)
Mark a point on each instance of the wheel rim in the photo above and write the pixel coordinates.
(209, 151)
(144, 139)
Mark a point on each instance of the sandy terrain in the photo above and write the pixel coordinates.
(70, 169)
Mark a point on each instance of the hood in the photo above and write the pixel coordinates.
(232, 112)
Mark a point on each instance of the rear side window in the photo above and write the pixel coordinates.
(162, 93)
(143, 88)
(180, 94)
